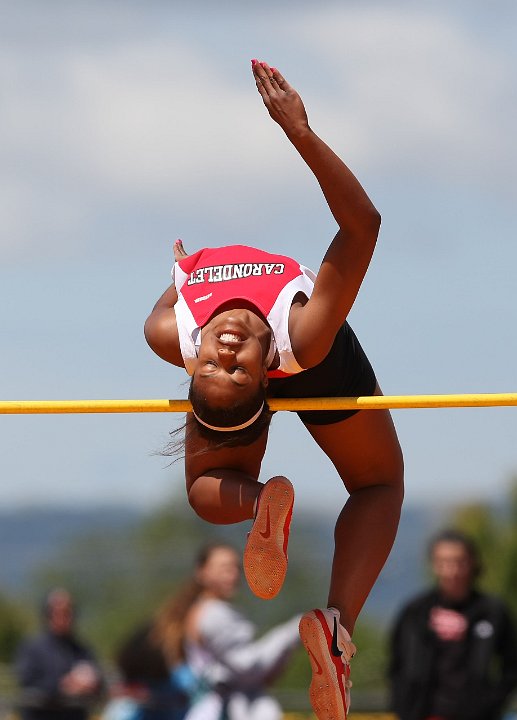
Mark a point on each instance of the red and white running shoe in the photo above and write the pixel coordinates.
(330, 650)
(265, 555)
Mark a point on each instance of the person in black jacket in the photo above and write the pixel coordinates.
(57, 673)
(453, 649)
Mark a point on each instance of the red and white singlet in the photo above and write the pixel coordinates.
(211, 277)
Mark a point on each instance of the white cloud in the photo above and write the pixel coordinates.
(129, 121)
(134, 123)
(417, 88)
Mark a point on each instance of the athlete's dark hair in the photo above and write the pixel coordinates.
(456, 536)
(235, 414)
(229, 416)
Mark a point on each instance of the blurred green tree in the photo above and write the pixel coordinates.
(13, 623)
(495, 531)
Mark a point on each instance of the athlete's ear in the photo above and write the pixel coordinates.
(265, 379)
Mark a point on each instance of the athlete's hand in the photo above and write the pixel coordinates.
(179, 251)
(281, 100)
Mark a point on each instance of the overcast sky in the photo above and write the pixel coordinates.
(124, 125)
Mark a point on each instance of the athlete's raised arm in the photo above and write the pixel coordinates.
(313, 327)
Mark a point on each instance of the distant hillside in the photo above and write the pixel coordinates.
(30, 539)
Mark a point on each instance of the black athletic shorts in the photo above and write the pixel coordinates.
(345, 372)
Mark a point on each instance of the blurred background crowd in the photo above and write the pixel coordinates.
(149, 620)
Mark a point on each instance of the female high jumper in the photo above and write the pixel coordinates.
(248, 325)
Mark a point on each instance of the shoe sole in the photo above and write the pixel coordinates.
(327, 689)
(265, 555)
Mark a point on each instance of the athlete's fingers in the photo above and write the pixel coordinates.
(277, 81)
(261, 80)
(280, 80)
(262, 92)
(268, 73)
(264, 78)
(179, 251)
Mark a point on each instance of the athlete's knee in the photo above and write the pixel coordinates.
(197, 499)
(397, 485)
(390, 471)
(387, 474)
(392, 476)
(397, 471)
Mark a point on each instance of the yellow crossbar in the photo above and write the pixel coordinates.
(378, 402)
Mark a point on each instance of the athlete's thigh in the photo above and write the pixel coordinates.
(203, 460)
(364, 448)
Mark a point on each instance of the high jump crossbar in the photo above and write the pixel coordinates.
(377, 402)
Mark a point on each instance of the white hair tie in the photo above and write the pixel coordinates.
(235, 427)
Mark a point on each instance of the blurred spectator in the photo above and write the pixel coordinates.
(148, 689)
(453, 649)
(200, 626)
(58, 674)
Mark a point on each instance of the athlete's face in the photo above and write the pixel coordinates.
(231, 357)
(453, 568)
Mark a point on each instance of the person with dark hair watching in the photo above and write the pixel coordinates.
(148, 688)
(58, 674)
(453, 648)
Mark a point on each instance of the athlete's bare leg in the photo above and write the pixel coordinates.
(224, 496)
(223, 485)
(366, 453)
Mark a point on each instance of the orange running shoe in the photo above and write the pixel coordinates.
(265, 555)
(330, 650)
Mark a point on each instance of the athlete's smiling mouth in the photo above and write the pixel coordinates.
(229, 337)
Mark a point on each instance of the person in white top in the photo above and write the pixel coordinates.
(201, 627)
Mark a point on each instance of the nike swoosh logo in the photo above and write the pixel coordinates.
(319, 669)
(335, 650)
(267, 531)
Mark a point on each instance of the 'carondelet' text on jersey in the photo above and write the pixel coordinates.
(234, 271)
(213, 278)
